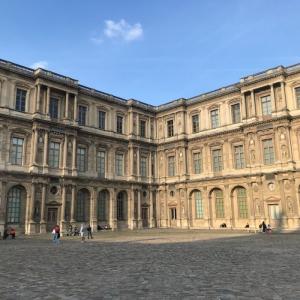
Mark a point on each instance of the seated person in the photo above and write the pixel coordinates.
(12, 233)
(5, 234)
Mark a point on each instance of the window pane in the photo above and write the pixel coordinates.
(239, 157)
(16, 155)
(214, 115)
(81, 159)
(14, 206)
(219, 204)
(236, 113)
(171, 166)
(119, 164)
(102, 206)
(101, 163)
(119, 124)
(195, 121)
(54, 154)
(170, 128)
(82, 115)
(268, 152)
(143, 166)
(197, 157)
(102, 120)
(217, 160)
(80, 206)
(53, 110)
(143, 128)
(20, 100)
(266, 105)
(198, 205)
(242, 203)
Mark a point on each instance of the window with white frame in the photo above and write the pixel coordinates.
(214, 117)
(119, 164)
(197, 162)
(266, 105)
(143, 166)
(101, 163)
(242, 202)
(236, 113)
(54, 150)
(195, 123)
(16, 153)
(20, 100)
(81, 159)
(268, 151)
(171, 166)
(102, 116)
(239, 158)
(217, 160)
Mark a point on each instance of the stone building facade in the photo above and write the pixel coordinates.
(71, 154)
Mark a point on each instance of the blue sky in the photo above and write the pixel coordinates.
(154, 51)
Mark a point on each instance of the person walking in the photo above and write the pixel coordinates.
(89, 231)
(82, 232)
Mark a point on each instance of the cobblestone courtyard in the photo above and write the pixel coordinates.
(152, 264)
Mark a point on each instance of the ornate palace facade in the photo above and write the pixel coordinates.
(71, 154)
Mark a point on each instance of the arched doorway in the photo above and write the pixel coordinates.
(83, 206)
(103, 207)
(122, 211)
(16, 207)
(240, 208)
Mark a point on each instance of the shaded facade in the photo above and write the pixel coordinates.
(71, 154)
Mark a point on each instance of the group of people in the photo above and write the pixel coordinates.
(9, 232)
(265, 228)
(85, 230)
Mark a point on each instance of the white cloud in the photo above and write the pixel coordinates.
(123, 30)
(40, 64)
(97, 40)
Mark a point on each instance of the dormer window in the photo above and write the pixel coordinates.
(195, 123)
(214, 117)
(20, 100)
(266, 105)
(53, 109)
(170, 128)
(236, 113)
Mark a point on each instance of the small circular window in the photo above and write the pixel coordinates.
(53, 190)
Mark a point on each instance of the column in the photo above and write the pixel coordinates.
(32, 201)
(149, 168)
(65, 152)
(112, 212)
(34, 144)
(67, 106)
(74, 155)
(253, 104)
(43, 203)
(48, 100)
(282, 85)
(244, 106)
(274, 109)
(93, 210)
(73, 204)
(139, 210)
(151, 208)
(75, 108)
(3, 201)
(46, 141)
(63, 208)
(38, 100)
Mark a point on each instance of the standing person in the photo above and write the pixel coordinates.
(57, 232)
(264, 226)
(54, 234)
(82, 232)
(89, 231)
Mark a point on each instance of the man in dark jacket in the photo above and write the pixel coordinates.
(89, 231)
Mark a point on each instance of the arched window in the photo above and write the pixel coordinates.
(120, 207)
(102, 206)
(219, 204)
(198, 205)
(14, 205)
(80, 206)
(242, 202)
(37, 211)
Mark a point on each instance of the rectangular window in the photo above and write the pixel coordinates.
(266, 105)
(268, 151)
(16, 155)
(198, 204)
(81, 159)
(170, 128)
(20, 100)
(53, 109)
(119, 124)
(195, 123)
(217, 160)
(297, 92)
(102, 115)
(143, 166)
(239, 157)
(54, 154)
(214, 116)
(82, 115)
(171, 166)
(197, 159)
(236, 113)
(142, 128)
(119, 164)
(101, 163)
